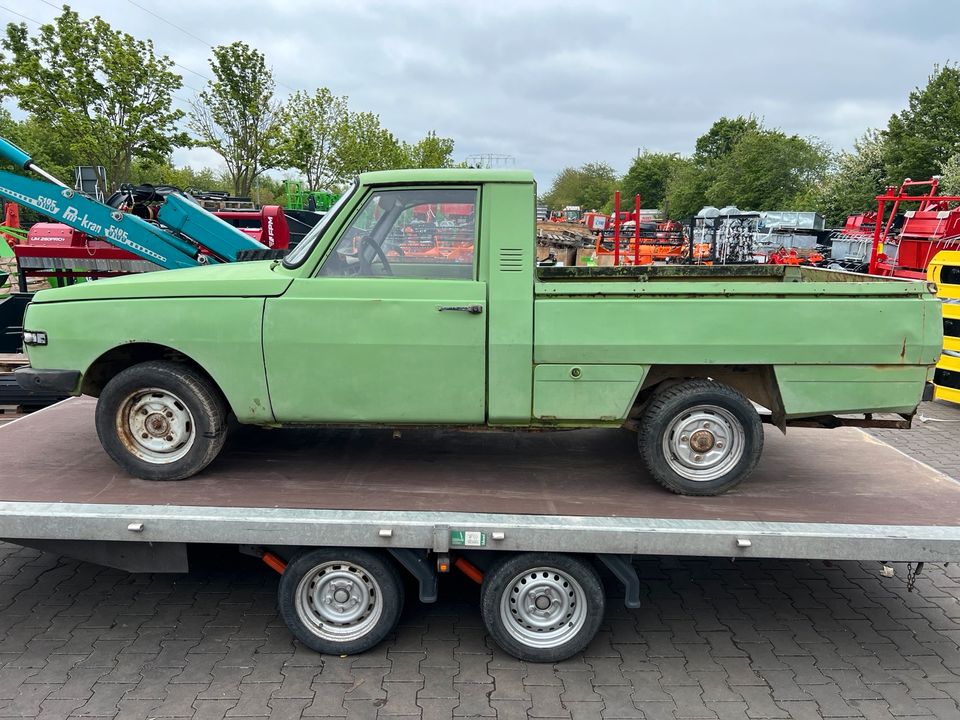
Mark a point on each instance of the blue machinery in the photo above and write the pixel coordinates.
(184, 230)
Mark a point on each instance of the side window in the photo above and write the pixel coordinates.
(417, 233)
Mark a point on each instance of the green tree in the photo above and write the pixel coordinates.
(689, 182)
(648, 175)
(767, 170)
(103, 96)
(236, 115)
(362, 145)
(723, 136)
(950, 176)
(591, 186)
(686, 190)
(740, 162)
(855, 182)
(429, 152)
(921, 138)
(309, 134)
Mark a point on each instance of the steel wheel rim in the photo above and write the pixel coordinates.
(156, 426)
(543, 607)
(339, 601)
(704, 443)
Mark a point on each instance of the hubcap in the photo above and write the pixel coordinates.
(704, 443)
(339, 601)
(543, 607)
(156, 426)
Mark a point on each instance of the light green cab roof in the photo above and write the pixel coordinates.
(445, 175)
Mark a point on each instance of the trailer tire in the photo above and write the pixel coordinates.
(573, 604)
(700, 437)
(362, 592)
(161, 420)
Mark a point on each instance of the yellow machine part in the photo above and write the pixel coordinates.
(944, 270)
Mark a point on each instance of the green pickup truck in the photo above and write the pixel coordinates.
(417, 302)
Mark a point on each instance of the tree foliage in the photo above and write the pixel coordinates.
(103, 94)
(430, 151)
(857, 179)
(740, 162)
(363, 145)
(591, 186)
(950, 176)
(767, 169)
(236, 115)
(922, 137)
(648, 176)
(309, 135)
(723, 136)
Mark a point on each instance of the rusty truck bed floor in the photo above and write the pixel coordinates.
(836, 476)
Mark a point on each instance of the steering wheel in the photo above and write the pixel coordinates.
(378, 253)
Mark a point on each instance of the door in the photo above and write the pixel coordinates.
(392, 326)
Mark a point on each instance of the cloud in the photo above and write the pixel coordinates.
(559, 84)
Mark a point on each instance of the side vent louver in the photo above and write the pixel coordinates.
(511, 260)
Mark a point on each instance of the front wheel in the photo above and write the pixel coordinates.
(340, 601)
(700, 438)
(161, 420)
(542, 607)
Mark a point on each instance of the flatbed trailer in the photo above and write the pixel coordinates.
(511, 507)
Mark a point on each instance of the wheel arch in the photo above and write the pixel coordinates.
(757, 382)
(121, 357)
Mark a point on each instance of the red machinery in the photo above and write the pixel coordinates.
(441, 233)
(639, 245)
(933, 226)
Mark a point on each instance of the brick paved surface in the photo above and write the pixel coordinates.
(714, 639)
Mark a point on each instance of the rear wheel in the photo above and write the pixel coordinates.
(340, 601)
(700, 438)
(542, 607)
(161, 420)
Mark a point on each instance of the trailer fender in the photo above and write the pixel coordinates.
(625, 572)
(418, 564)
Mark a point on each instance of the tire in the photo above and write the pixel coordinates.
(567, 624)
(371, 603)
(722, 420)
(161, 420)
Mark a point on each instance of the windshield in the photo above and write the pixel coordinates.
(303, 249)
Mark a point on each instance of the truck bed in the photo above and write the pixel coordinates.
(759, 273)
(837, 494)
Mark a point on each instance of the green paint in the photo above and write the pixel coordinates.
(561, 346)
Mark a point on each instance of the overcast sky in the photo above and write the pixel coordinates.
(555, 84)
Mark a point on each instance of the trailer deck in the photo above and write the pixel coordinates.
(837, 494)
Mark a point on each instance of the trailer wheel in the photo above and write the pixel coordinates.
(542, 607)
(700, 438)
(340, 601)
(161, 420)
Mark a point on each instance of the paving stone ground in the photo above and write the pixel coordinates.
(714, 639)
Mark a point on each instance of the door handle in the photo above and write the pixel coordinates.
(472, 309)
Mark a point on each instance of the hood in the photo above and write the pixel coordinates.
(244, 279)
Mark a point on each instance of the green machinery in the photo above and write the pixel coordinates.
(299, 199)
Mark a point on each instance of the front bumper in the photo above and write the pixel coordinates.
(64, 382)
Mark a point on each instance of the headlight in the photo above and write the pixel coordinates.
(34, 337)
